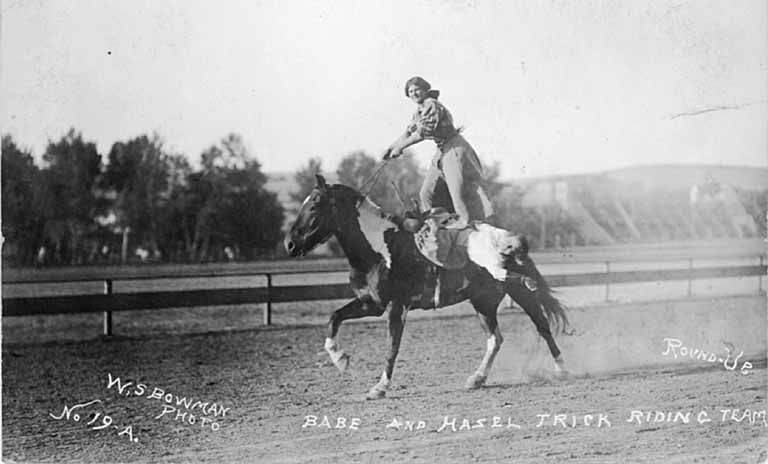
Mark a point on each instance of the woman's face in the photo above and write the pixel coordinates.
(416, 93)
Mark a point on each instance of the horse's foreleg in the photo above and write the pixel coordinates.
(356, 308)
(493, 345)
(529, 302)
(397, 314)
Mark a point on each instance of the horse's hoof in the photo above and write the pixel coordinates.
(560, 371)
(375, 394)
(475, 381)
(342, 363)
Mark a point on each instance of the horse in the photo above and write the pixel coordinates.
(387, 270)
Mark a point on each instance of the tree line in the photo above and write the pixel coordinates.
(397, 189)
(141, 201)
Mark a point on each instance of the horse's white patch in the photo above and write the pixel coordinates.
(483, 248)
(373, 224)
(559, 362)
(333, 349)
(379, 390)
(492, 347)
(383, 381)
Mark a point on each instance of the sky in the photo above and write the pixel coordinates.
(544, 87)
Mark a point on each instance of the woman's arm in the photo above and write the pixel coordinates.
(403, 142)
(423, 125)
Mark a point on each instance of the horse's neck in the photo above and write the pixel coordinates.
(362, 239)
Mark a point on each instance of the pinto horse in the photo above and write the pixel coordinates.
(387, 270)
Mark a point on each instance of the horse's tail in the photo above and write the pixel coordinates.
(554, 309)
(517, 259)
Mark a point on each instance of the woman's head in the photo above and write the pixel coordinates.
(418, 89)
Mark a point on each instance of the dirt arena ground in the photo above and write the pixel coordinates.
(266, 382)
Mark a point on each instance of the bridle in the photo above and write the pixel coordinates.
(370, 182)
(365, 190)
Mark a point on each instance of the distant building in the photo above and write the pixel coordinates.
(628, 205)
(654, 203)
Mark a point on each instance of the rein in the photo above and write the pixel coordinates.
(370, 182)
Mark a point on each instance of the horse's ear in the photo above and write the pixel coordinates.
(321, 182)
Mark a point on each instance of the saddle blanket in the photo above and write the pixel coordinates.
(443, 245)
(454, 247)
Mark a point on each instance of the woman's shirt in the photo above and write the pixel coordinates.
(433, 121)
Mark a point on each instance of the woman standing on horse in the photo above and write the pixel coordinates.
(455, 165)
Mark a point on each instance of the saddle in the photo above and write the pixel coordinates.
(444, 245)
(443, 239)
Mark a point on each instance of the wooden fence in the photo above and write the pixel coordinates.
(109, 301)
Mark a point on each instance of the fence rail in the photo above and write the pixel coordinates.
(110, 301)
(711, 249)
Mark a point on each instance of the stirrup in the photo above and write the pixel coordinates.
(440, 215)
(530, 283)
(527, 282)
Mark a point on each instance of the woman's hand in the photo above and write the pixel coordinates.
(391, 153)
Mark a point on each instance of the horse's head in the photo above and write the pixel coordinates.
(323, 213)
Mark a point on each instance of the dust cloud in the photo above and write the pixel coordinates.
(613, 338)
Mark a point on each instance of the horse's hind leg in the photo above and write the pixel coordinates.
(397, 314)
(355, 309)
(486, 311)
(530, 304)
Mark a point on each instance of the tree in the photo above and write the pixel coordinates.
(542, 226)
(493, 185)
(21, 223)
(254, 222)
(227, 205)
(755, 203)
(139, 173)
(512, 214)
(178, 217)
(361, 171)
(69, 203)
(305, 179)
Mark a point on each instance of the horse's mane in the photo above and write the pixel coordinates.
(359, 199)
(345, 190)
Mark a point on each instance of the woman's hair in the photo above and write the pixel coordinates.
(420, 82)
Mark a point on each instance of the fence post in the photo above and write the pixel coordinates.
(607, 280)
(268, 307)
(108, 314)
(690, 276)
